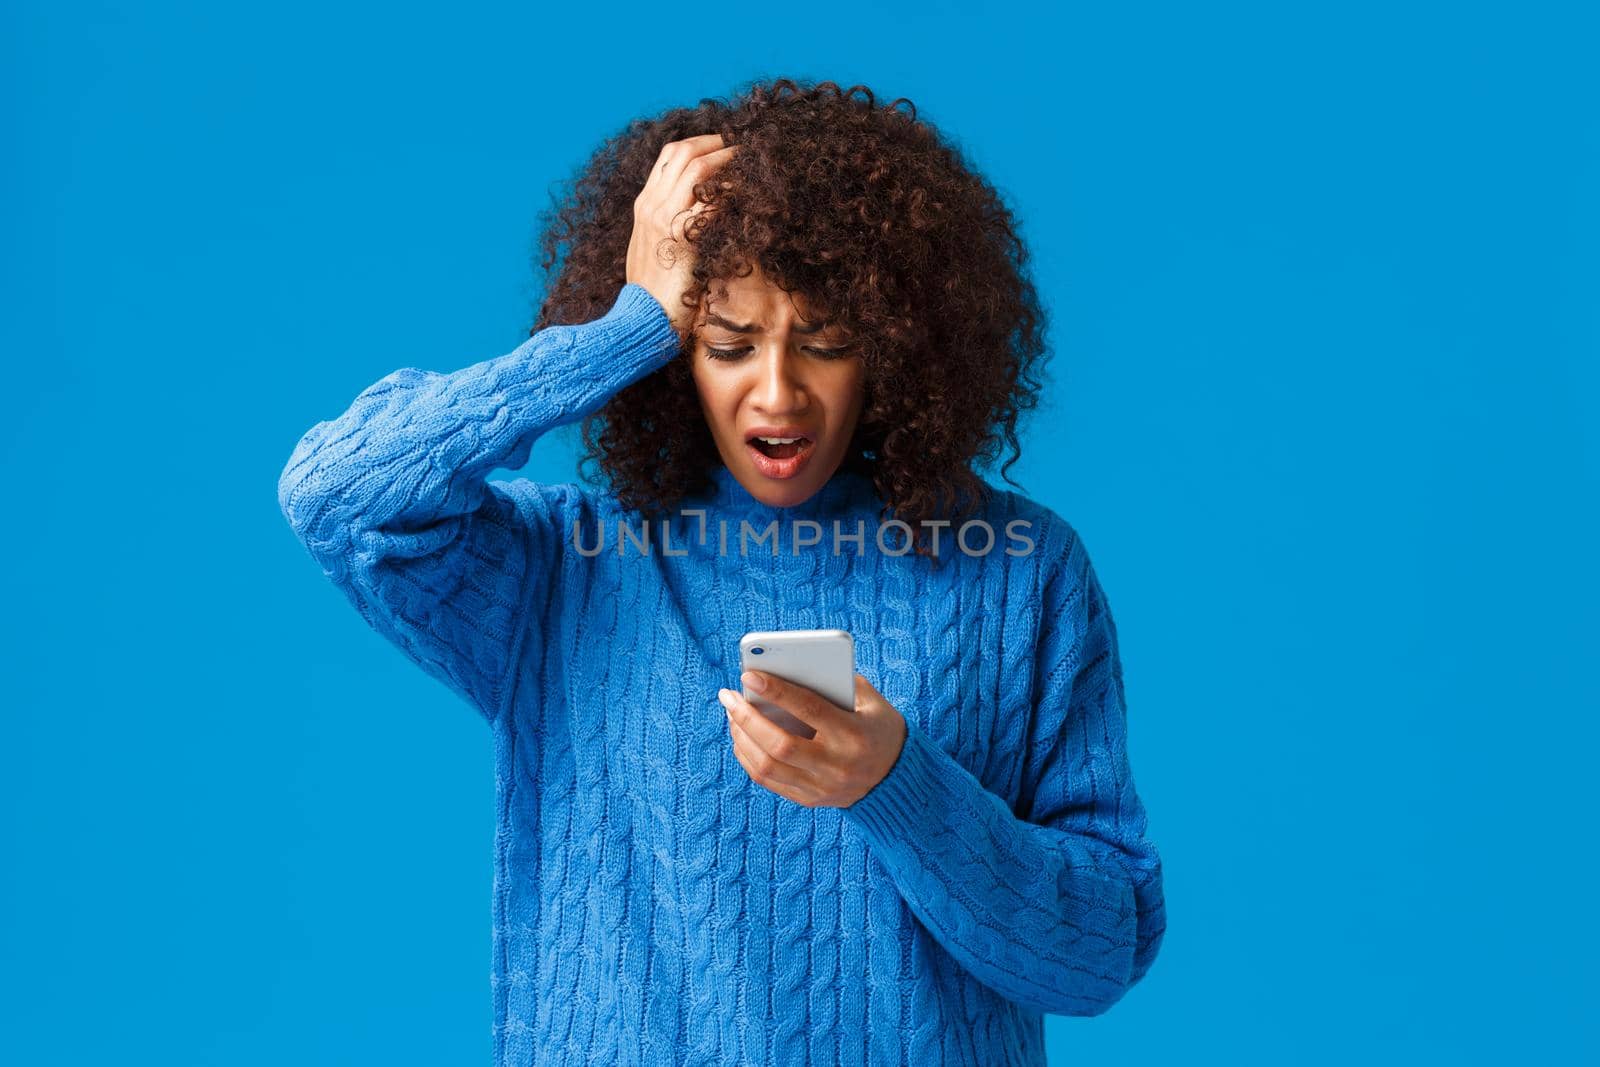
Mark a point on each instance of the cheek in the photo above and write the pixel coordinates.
(718, 396)
(848, 389)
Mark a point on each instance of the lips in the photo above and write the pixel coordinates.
(785, 458)
(777, 434)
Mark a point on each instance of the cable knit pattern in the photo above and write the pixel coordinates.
(652, 904)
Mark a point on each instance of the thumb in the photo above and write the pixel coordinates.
(868, 699)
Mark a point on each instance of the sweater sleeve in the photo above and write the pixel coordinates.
(1058, 906)
(392, 497)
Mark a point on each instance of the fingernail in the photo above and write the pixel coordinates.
(753, 681)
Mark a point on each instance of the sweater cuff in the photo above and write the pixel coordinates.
(636, 325)
(894, 811)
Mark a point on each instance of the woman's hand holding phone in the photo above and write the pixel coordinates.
(850, 753)
(660, 258)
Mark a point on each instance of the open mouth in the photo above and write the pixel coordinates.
(781, 447)
(780, 454)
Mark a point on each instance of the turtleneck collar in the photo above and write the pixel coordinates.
(840, 493)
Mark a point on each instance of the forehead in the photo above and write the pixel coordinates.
(753, 299)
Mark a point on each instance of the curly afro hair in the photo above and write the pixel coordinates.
(871, 216)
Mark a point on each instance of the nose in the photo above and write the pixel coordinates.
(779, 391)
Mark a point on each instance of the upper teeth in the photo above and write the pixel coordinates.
(780, 440)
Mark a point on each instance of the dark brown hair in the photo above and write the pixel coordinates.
(873, 217)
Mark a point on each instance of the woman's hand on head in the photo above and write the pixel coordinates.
(659, 257)
(850, 753)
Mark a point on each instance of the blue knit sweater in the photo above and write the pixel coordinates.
(652, 903)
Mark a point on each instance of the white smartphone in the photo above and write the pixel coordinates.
(822, 660)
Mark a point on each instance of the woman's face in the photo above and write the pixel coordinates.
(765, 367)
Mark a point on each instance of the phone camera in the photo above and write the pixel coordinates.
(757, 650)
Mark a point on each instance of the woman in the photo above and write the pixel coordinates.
(797, 306)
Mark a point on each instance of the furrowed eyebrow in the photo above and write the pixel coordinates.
(713, 319)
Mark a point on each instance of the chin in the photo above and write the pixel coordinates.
(780, 493)
(777, 494)
(789, 496)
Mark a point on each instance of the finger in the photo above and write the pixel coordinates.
(683, 200)
(804, 797)
(807, 705)
(768, 737)
(765, 768)
(696, 205)
(675, 155)
(698, 170)
(867, 695)
(760, 764)
(684, 217)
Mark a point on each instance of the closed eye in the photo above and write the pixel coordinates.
(730, 354)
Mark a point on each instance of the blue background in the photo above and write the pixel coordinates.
(1323, 293)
